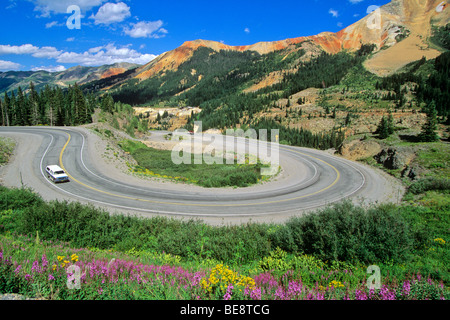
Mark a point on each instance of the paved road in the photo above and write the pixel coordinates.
(315, 179)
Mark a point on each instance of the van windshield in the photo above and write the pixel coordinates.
(59, 172)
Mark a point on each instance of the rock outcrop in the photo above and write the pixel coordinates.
(394, 158)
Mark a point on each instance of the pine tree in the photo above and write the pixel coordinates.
(22, 108)
(429, 129)
(33, 102)
(348, 119)
(79, 106)
(6, 105)
(13, 110)
(107, 104)
(383, 129)
(390, 124)
(3, 113)
(59, 106)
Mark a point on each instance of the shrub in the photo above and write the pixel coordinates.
(87, 226)
(347, 233)
(18, 199)
(429, 184)
(276, 261)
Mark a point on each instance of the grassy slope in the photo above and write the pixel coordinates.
(159, 163)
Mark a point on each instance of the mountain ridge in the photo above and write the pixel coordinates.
(396, 19)
(11, 80)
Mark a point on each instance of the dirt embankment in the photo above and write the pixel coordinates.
(417, 17)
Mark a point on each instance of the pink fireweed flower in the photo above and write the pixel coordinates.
(360, 295)
(266, 280)
(372, 294)
(44, 261)
(255, 294)
(35, 267)
(320, 296)
(51, 277)
(294, 289)
(227, 295)
(386, 294)
(280, 294)
(406, 288)
(18, 269)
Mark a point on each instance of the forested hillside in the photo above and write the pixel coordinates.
(51, 106)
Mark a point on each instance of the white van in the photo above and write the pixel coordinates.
(56, 174)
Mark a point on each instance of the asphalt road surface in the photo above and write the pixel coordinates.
(313, 179)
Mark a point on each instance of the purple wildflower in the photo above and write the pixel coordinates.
(44, 261)
(18, 269)
(35, 267)
(387, 294)
(406, 288)
(280, 294)
(255, 294)
(227, 295)
(294, 289)
(360, 295)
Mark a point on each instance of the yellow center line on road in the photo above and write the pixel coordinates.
(201, 204)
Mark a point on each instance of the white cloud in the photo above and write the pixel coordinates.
(51, 24)
(47, 52)
(112, 13)
(355, 1)
(334, 13)
(108, 54)
(247, 30)
(9, 65)
(23, 49)
(28, 49)
(97, 56)
(13, 4)
(47, 7)
(96, 49)
(146, 29)
(50, 68)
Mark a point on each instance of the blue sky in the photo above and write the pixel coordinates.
(35, 34)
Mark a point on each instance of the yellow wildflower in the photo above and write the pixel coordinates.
(221, 277)
(336, 284)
